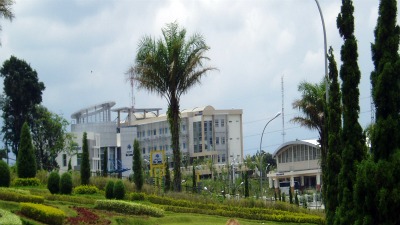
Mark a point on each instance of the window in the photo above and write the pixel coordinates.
(184, 145)
(223, 158)
(155, 132)
(64, 158)
(79, 159)
(222, 122)
(160, 131)
(217, 140)
(183, 127)
(149, 133)
(166, 130)
(143, 151)
(138, 135)
(223, 140)
(216, 123)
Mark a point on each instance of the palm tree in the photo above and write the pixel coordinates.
(169, 67)
(5, 10)
(312, 105)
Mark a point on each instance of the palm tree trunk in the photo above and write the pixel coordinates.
(174, 122)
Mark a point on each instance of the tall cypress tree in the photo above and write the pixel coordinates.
(137, 167)
(26, 161)
(378, 181)
(353, 140)
(85, 165)
(332, 169)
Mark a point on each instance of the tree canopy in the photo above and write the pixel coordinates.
(22, 92)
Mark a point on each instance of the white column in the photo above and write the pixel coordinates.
(270, 182)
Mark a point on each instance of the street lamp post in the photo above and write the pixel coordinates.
(262, 134)
(325, 52)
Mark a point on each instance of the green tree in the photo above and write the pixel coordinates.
(353, 141)
(26, 162)
(167, 177)
(49, 137)
(137, 167)
(333, 163)
(194, 179)
(18, 106)
(377, 185)
(85, 165)
(169, 67)
(5, 10)
(53, 182)
(246, 185)
(66, 183)
(5, 175)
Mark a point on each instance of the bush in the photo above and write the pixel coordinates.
(66, 183)
(137, 196)
(42, 176)
(70, 198)
(15, 190)
(53, 183)
(9, 218)
(86, 189)
(4, 174)
(99, 182)
(129, 208)
(43, 213)
(119, 190)
(14, 196)
(26, 182)
(110, 189)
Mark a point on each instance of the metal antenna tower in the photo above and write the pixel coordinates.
(283, 111)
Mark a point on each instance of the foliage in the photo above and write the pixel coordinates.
(194, 178)
(85, 165)
(42, 175)
(105, 162)
(5, 10)
(376, 190)
(86, 189)
(353, 141)
(7, 195)
(333, 156)
(110, 190)
(53, 183)
(9, 218)
(26, 182)
(69, 198)
(18, 106)
(26, 163)
(246, 185)
(167, 185)
(48, 134)
(99, 182)
(290, 197)
(137, 196)
(119, 190)
(43, 213)
(5, 176)
(66, 183)
(16, 190)
(296, 199)
(129, 208)
(137, 168)
(169, 67)
(69, 165)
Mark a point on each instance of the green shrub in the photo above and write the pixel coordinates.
(119, 190)
(15, 190)
(4, 174)
(26, 182)
(53, 183)
(66, 183)
(19, 197)
(9, 218)
(86, 189)
(129, 208)
(42, 176)
(43, 213)
(70, 198)
(110, 190)
(137, 196)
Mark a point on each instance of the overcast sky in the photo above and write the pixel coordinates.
(81, 50)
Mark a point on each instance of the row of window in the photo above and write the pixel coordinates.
(298, 153)
(161, 147)
(154, 132)
(218, 122)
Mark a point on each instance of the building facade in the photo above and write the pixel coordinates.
(205, 133)
(297, 162)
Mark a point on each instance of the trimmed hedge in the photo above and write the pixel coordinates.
(9, 218)
(86, 189)
(53, 183)
(26, 182)
(176, 205)
(15, 190)
(129, 208)
(119, 190)
(43, 213)
(69, 198)
(5, 176)
(66, 183)
(18, 197)
(137, 196)
(110, 189)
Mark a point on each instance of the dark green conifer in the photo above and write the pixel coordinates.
(26, 160)
(85, 165)
(137, 167)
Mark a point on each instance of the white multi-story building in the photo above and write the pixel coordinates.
(205, 133)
